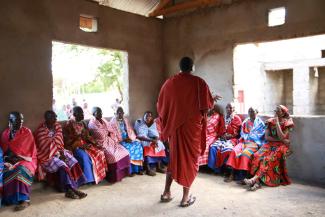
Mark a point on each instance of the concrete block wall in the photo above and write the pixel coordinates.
(278, 90)
(210, 35)
(319, 106)
(307, 163)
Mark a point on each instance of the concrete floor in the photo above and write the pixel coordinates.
(139, 196)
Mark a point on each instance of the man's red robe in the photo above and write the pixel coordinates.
(181, 101)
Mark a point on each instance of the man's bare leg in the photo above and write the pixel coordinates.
(186, 192)
(187, 199)
(168, 183)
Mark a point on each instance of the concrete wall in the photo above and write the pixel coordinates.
(307, 163)
(27, 30)
(210, 35)
(278, 90)
(308, 144)
(317, 84)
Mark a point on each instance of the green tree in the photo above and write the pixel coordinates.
(109, 75)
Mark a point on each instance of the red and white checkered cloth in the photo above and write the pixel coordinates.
(99, 163)
(215, 128)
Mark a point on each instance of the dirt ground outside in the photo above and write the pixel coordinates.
(139, 196)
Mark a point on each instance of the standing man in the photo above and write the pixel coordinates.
(182, 106)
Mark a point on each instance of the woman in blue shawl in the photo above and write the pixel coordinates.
(251, 138)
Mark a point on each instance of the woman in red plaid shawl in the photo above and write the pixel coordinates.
(88, 153)
(215, 129)
(57, 164)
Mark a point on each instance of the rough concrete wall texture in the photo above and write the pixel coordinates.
(210, 35)
(307, 162)
(319, 107)
(27, 32)
(278, 90)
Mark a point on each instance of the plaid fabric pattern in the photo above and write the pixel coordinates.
(105, 136)
(215, 126)
(55, 163)
(99, 163)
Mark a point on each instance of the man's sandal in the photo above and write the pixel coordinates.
(189, 202)
(165, 199)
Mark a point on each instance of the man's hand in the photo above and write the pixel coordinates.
(217, 97)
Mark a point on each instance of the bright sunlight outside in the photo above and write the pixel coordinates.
(88, 77)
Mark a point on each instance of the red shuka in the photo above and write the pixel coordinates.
(180, 102)
(22, 145)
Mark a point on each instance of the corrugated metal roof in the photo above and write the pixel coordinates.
(142, 7)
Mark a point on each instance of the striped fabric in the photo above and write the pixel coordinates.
(105, 136)
(48, 142)
(215, 128)
(76, 135)
(99, 163)
(20, 173)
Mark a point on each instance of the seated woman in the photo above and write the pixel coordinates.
(20, 161)
(221, 149)
(88, 153)
(215, 129)
(252, 137)
(268, 164)
(117, 156)
(153, 148)
(127, 138)
(54, 162)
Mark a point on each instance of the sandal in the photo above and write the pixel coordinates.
(249, 182)
(189, 202)
(70, 194)
(140, 173)
(23, 205)
(80, 194)
(164, 199)
(255, 187)
(150, 173)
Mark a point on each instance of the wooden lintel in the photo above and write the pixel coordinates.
(184, 6)
(160, 6)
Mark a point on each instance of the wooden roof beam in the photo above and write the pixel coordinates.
(184, 6)
(162, 4)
